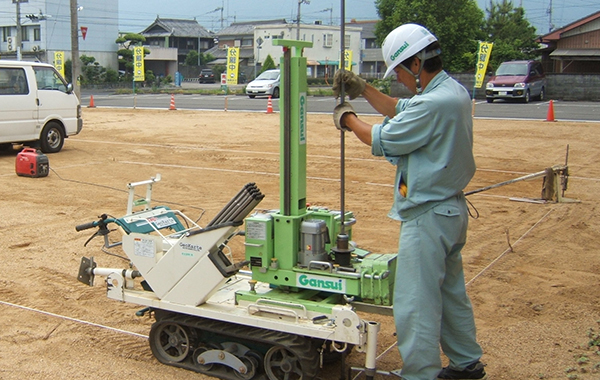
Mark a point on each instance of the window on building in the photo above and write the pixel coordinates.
(328, 40)
(24, 33)
(346, 41)
(6, 32)
(370, 43)
(37, 33)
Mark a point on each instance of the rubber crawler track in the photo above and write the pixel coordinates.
(303, 348)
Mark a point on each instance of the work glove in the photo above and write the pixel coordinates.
(354, 85)
(338, 115)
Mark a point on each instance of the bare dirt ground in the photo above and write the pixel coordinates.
(534, 305)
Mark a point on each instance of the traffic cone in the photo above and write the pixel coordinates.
(269, 105)
(172, 107)
(91, 102)
(550, 116)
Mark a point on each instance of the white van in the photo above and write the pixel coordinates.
(37, 106)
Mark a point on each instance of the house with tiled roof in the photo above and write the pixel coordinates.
(574, 48)
(241, 35)
(184, 35)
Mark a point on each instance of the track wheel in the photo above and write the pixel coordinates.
(282, 364)
(200, 361)
(251, 364)
(170, 342)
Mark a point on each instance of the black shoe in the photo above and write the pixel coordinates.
(474, 371)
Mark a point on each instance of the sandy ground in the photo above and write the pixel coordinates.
(536, 305)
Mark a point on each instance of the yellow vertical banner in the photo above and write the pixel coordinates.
(139, 74)
(347, 60)
(483, 57)
(59, 62)
(233, 60)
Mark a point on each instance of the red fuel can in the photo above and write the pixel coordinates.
(32, 163)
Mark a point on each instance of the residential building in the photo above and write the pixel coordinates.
(184, 35)
(170, 41)
(574, 48)
(371, 64)
(241, 35)
(256, 43)
(46, 28)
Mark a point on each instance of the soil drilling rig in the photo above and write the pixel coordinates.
(295, 305)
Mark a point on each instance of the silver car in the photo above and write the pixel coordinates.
(267, 83)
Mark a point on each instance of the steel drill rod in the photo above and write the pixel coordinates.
(248, 208)
(243, 205)
(219, 217)
(524, 178)
(233, 203)
(229, 204)
(240, 206)
(236, 206)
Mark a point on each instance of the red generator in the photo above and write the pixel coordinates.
(32, 163)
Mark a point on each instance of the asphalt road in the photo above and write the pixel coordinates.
(535, 110)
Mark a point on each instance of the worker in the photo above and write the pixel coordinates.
(429, 138)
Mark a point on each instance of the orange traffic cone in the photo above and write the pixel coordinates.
(269, 105)
(91, 102)
(172, 107)
(550, 116)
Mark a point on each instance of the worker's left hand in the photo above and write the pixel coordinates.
(353, 84)
(338, 115)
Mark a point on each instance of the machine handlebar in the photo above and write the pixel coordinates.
(100, 223)
(86, 226)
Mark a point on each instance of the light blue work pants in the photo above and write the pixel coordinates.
(431, 306)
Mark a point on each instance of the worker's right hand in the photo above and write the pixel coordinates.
(353, 84)
(338, 115)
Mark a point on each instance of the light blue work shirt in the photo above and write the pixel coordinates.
(430, 140)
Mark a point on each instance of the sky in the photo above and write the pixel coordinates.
(136, 15)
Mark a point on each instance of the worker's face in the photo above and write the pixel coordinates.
(409, 81)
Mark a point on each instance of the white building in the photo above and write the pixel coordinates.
(324, 56)
(46, 29)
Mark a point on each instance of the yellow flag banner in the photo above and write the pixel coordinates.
(139, 74)
(233, 59)
(347, 60)
(483, 57)
(59, 62)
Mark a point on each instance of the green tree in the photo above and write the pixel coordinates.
(511, 33)
(91, 71)
(128, 42)
(192, 58)
(458, 25)
(268, 64)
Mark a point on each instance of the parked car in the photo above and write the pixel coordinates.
(267, 83)
(37, 106)
(520, 80)
(206, 76)
(242, 77)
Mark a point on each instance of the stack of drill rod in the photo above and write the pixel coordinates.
(239, 206)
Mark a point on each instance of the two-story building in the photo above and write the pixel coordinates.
(255, 41)
(44, 27)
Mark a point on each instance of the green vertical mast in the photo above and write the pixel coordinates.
(293, 128)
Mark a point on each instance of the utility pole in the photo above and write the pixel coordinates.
(75, 65)
(549, 11)
(298, 19)
(19, 37)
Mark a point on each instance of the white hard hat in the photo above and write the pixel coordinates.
(404, 42)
